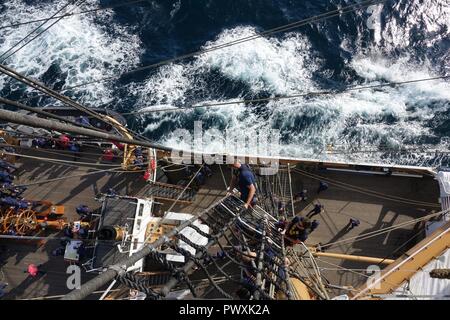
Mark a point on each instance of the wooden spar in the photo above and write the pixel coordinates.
(31, 121)
(44, 113)
(407, 265)
(128, 152)
(412, 171)
(42, 88)
(352, 257)
(164, 152)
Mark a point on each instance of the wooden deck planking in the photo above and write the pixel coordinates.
(340, 205)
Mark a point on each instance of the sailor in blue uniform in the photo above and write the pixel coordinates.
(246, 183)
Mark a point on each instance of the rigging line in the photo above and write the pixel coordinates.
(290, 189)
(316, 277)
(72, 14)
(364, 269)
(223, 177)
(185, 188)
(298, 95)
(62, 295)
(365, 191)
(74, 2)
(401, 246)
(80, 139)
(45, 114)
(62, 153)
(113, 170)
(70, 163)
(60, 98)
(13, 117)
(352, 271)
(179, 196)
(370, 192)
(114, 270)
(56, 95)
(381, 146)
(50, 92)
(318, 18)
(301, 270)
(378, 232)
(343, 268)
(374, 233)
(316, 271)
(259, 261)
(388, 150)
(37, 28)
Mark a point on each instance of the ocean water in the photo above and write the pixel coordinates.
(407, 124)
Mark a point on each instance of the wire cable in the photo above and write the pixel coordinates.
(366, 191)
(3, 58)
(321, 17)
(72, 14)
(113, 170)
(292, 96)
(378, 232)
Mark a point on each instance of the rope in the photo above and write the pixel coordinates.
(275, 263)
(58, 160)
(185, 188)
(114, 170)
(71, 14)
(290, 189)
(200, 232)
(131, 281)
(188, 255)
(401, 246)
(365, 191)
(292, 96)
(350, 270)
(259, 261)
(74, 2)
(322, 17)
(211, 258)
(64, 153)
(223, 177)
(378, 232)
(318, 277)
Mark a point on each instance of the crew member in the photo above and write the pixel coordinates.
(83, 121)
(315, 211)
(246, 183)
(108, 155)
(64, 141)
(7, 166)
(353, 223)
(6, 177)
(297, 231)
(83, 210)
(322, 187)
(301, 195)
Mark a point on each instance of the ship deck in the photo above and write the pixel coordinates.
(374, 211)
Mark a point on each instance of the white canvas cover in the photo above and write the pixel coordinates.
(422, 286)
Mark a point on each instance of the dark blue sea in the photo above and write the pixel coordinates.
(396, 41)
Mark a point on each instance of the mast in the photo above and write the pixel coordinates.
(31, 121)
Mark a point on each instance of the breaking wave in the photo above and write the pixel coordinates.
(75, 50)
(410, 42)
(371, 120)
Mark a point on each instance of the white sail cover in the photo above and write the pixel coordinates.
(444, 183)
(422, 286)
(443, 178)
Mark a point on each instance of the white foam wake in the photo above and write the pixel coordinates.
(278, 66)
(81, 48)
